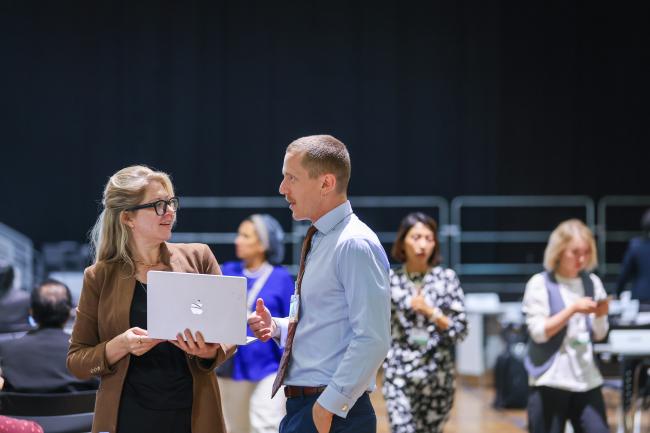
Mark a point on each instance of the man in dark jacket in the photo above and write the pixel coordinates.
(36, 362)
(636, 266)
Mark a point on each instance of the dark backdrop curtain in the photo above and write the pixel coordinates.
(442, 98)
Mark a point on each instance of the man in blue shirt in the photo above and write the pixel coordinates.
(341, 311)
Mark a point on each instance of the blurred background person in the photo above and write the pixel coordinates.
(147, 385)
(635, 270)
(36, 362)
(13, 425)
(247, 378)
(636, 266)
(427, 319)
(14, 303)
(566, 309)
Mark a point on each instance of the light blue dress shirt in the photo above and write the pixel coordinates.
(343, 331)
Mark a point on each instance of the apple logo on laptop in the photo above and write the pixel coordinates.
(196, 307)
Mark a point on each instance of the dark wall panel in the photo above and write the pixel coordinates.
(443, 98)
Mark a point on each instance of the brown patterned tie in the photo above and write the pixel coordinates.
(286, 356)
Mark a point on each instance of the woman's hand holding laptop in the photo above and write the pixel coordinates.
(135, 341)
(196, 345)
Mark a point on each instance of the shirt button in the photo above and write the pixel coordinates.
(344, 408)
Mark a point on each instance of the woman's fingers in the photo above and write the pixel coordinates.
(191, 343)
(139, 331)
(200, 341)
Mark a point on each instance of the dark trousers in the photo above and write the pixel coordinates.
(360, 419)
(550, 408)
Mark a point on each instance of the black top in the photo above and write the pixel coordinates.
(160, 379)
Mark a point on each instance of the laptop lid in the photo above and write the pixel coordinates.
(212, 304)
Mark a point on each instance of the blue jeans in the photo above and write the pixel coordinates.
(360, 419)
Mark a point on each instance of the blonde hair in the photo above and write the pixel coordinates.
(560, 238)
(109, 237)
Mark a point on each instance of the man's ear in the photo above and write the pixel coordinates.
(328, 183)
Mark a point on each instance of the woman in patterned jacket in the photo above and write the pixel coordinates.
(427, 319)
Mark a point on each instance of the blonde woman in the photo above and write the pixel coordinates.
(566, 309)
(147, 385)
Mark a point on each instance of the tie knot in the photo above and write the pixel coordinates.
(311, 231)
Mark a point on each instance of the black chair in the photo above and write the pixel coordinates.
(56, 413)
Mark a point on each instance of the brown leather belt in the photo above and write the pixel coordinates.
(302, 391)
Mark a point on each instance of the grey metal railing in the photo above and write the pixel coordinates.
(607, 235)
(452, 233)
(460, 235)
(299, 228)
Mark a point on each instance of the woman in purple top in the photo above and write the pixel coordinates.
(246, 383)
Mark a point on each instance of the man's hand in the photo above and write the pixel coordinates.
(322, 418)
(261, 322)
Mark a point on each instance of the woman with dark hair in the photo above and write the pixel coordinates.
(248, 381)
(427, 319)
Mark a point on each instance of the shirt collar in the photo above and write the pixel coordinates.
(328, 221)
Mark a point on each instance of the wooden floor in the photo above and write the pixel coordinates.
(474, 402)
(478, 416)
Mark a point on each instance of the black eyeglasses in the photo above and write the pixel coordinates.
(159, 205)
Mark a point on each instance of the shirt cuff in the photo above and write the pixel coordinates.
(281, 331)
(335, 402)
(537, 331)
(600, 326)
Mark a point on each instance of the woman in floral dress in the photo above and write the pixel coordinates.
(427, 319)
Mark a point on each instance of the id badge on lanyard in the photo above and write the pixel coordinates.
(293, 308)
(419, 336)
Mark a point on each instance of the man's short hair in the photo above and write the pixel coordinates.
(51, 308)
(324, 154)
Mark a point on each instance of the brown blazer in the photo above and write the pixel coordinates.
(103, 313)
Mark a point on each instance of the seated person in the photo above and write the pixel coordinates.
(36, 362)
(14, 303)
(12, 425)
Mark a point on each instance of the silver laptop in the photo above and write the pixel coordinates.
(212, 304)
